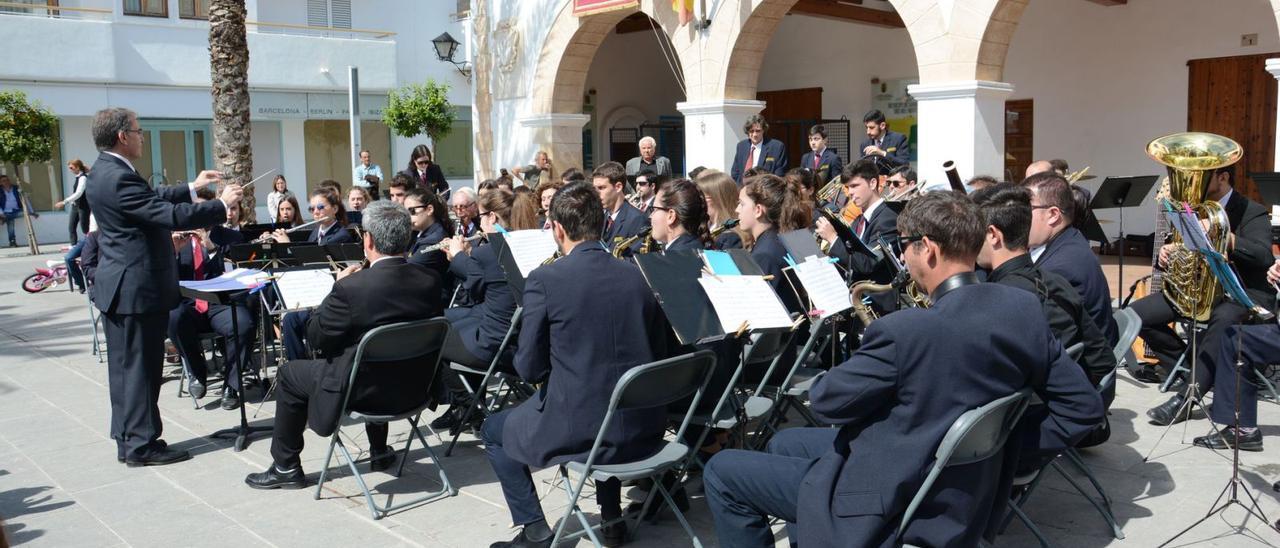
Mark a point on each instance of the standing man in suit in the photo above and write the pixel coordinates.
(578, 350)
(1058, 247)
(876, 223)
(622, 220)
(882, 142)
(137, 278)
(648, 161)
(823, 161)
(849, 486)
(758, 151)
(390, 290)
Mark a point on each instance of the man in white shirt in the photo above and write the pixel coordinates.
(366, 168)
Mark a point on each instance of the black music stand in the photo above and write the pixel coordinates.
(229, 297)
(265, 255)
(1122, 192)
(1268, 185)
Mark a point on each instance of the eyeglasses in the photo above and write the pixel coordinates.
(659, 208)
(461, 207)
(320, 207)
(485, 213)
(1035, 207)
(139, 131)
(906, 241)
(416, 209)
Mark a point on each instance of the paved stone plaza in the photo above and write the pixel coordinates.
(61, 486)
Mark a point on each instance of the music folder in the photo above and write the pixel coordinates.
(303, 287)
(846, 235)
(701, 307)
(519, 252)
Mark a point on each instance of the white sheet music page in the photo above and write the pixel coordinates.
(822, 282)
(745, 298)
(530, 248)
(304, 288)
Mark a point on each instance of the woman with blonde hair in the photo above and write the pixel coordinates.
(722, 199)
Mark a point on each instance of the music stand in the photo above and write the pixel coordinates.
(229, 297)
(1119, 193)
(1268, 185)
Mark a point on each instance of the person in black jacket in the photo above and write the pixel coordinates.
(137, 277)
(877, 223)
(622, 220)
(1249, 250)
(821, 159)
(767, 205)
(431, 225)
(425, 173)
(758, 152)
(577, 349)
(310, 392)
(881, 141)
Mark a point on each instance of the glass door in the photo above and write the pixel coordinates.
(175, 151)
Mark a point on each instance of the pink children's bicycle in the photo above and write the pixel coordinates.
(55, 273)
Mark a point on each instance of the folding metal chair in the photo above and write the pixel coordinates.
(99, 340)
(975, 436)
(477, 397)
(794, 388)
(419, 341)
(652, 385)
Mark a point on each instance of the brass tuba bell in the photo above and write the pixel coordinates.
(1191, 159)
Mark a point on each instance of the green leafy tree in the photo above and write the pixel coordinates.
(420, 108)
(28, 133)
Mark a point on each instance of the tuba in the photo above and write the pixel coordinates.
(1191, 159)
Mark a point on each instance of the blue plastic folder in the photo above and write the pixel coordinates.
(721, 263)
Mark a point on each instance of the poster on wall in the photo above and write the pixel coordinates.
(591, 7)
(899, 108)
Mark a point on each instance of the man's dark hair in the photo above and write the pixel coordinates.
(1080, 199)
(983, 180)
(613, 171)
(906, 171)
(695, 172)
(873, 115)
(1059, 165)
(1008, 208)
(107, 125)
(1231, 174)
(577, 207)
(818, 129)
(1052, 190)
(658, 181)
(400, 181)
(950, 220)
(572, 174)
(205, 193)
(864, 169)
(755, 120)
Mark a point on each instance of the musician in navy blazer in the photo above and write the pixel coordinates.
(577, 339)
(877, 223)
(431, 226)
(1058, 247)
(137, 279)
(760, 152)
(882, 142)
(622, 220)
(895, 399)
(828, 164)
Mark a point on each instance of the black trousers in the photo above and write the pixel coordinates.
(135, 357)
(455, 351)
(186, 325)
(1157, 313)
(297, 381)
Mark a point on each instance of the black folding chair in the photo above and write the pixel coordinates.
(478, 396)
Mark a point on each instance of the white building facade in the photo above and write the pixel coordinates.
(152, 56)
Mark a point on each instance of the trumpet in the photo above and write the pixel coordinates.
(553, 258)
(896, 195)
(445, 242)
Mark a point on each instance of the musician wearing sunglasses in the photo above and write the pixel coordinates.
(331, 220)
(895, 399)
(431, 225)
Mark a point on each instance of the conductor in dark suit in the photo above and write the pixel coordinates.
(822, 160)
(895, 399)
(390, 290)
(137, 278)
(758, 151)
(881, 141)
(577, 339)
(877, 223)
(1058, 247)
(622, 220)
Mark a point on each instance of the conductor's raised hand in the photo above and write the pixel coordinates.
(231, 195)
(206, 178)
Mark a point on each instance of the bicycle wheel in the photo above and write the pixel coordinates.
(36, 283)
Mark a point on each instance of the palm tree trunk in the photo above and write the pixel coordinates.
(229, 72)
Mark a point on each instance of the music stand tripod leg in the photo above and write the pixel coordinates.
(242, 431)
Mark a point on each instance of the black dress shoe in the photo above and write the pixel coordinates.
(1227, 437)
(447, 420)
(1170, 412)
(614, 534)
(274, 479)
(659, 503)
(158, 457)
(1148, 374)
(230, 400)
(381, 459)
(522, 541)
(195, 387)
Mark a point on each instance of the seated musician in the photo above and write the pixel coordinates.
(463, 205)
(622, 220)
(399, 187)
(1249, 250)
(722, 201)
(331, 226)
(767, 205)
(480, 325)
(678, 216)
(431, 225)
(901, 184)
(310, 392)
(877, 223)
(578, 350)
(200, 257)
(849, 486)
(804, 179)
(288, 213)
(1258, 347)
(1058, 247)
(1006, 210)
(544, 192)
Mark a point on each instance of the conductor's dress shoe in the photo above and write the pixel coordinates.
(158, 457)
(1227, 437)
(273, 478)
(1170, 412)
(230, 400)
(522, 541)
(159, 444)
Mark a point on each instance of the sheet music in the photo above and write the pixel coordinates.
(304, 288)
(748, 299)
(826, 290)
(530, 248)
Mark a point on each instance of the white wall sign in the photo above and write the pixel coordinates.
(279, 105)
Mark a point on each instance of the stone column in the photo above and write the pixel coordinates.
(1273, 66)
(559, 133)
(713, 128)
(962, 122)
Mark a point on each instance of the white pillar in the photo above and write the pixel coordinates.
(712, 129)
(558, 133)
(1273, 66)
(962, 122)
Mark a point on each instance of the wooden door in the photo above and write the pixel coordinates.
(1236, 97)
(1019, 117)
(791, 105)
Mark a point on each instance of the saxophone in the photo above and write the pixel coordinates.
(913, 296)
(1191, 159)
(622, 246)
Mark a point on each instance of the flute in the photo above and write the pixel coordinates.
(302, 226)
(445, 242)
